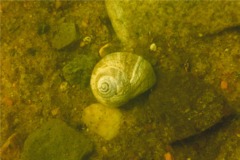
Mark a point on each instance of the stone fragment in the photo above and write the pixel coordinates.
(56, 141)
(66, 34)
(104, 121)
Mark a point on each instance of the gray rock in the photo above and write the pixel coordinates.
(56, 141)
(138, 22)
(66, 34)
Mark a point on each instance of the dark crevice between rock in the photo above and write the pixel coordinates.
(223, 123)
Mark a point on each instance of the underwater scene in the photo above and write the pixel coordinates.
(119, 80)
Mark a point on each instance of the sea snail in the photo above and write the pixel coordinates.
(121, 76)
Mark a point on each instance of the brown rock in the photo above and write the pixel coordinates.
(185, 105)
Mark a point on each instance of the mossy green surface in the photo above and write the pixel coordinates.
(201, 40)
(56, 141)
(78, 71)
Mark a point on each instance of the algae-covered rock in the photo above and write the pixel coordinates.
(56, 141)
(78, 70)
(185, 105)
(138, 21)
(228, 140)
(66, 34)
(218, 143)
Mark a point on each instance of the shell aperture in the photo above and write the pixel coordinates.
(121, 76)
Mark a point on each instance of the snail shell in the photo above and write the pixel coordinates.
(121, 76)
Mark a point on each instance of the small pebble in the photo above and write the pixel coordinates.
(102, 120)
(63, 86)
(66, 35)
(168, 156)
(224, 85)
(153, 47)
(55, 111)
(86, 40)
(200, 35)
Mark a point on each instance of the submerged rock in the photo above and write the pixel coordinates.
(104, 121)
(185, 106)
(56, 141)
(66, 34)
(138, 22)
(218, 143)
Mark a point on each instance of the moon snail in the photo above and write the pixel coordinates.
(121, 76)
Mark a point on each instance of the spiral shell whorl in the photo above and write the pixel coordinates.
(107, 86)
(121, 76)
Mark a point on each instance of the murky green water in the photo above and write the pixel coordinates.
(48, 52)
